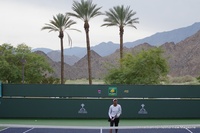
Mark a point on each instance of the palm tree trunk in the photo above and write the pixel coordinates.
(121, 32)
(62, 60)
(86, 26)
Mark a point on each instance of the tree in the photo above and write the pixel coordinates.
(11, 66)
(60, 23)
(147, 67)
(36, 66)
(9, 71)
(120, 16)
(85, 10)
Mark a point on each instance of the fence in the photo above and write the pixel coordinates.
(93, 101)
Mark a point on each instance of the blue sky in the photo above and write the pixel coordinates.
(22, 20)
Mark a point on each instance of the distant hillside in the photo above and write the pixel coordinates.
(106, 49)
(55, 56)
(45, 50)
(103, 49)
(75, 51)
(184, 56)
(160, 38)
(183, 59)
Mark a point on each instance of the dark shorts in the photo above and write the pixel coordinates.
(116, 122)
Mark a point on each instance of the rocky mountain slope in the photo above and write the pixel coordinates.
(184, 56)
(74, 54)
(68, 59)
(175, 36)
(183, 59)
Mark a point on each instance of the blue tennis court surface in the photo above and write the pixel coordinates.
(137, 130)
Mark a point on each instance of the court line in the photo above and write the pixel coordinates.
(188, 130)
(4, 129)
(96, 127)
(28, 130)
(31, 128)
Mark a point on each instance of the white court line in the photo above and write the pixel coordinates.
(28, 130)
(4, 129)
(188, 130)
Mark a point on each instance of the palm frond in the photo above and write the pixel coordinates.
(50, 27)
(73, 29)
(69, 40)
(85, 10)
(60, 23)
(120, 16)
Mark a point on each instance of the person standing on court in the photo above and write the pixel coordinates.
(114, 113)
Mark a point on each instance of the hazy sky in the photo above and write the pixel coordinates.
(21, 21)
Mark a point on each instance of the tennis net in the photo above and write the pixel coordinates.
(8, 128)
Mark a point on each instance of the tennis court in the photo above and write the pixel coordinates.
(99, 126)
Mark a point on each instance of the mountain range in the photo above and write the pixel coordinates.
(74, 54)
(183, 59)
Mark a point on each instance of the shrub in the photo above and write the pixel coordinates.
(183, 79)
(198, 79)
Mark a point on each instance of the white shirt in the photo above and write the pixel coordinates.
(114, 111)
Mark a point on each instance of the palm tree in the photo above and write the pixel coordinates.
(120, 16)
(85, 10)
(59, 24)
